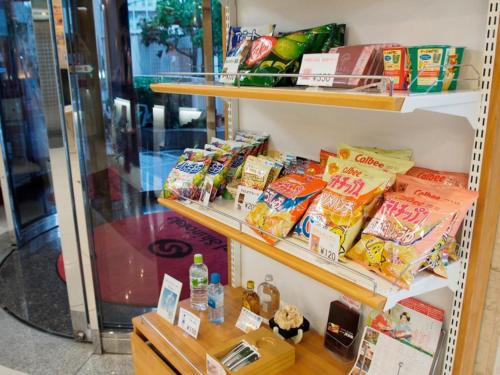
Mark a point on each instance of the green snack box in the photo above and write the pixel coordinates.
(429, 61)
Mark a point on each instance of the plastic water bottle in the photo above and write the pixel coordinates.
(215, 300)
(198, 281)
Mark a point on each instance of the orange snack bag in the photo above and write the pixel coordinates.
(440, 177)
(403, 231)
(282, 204)
(324, 155)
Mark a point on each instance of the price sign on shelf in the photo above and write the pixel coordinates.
(324, 243)
(319, 66)
(189, 322)
(246, 198)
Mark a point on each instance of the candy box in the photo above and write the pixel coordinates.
(453, 61)
(396, 65)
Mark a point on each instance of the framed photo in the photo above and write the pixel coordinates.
(169, 298)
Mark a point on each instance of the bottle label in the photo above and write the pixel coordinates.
(215, 301)
(199, 281)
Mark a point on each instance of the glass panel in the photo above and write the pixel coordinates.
(130, 149)
(32, 281)
(24, 127)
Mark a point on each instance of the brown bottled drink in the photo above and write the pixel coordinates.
(250, 298)
(269, 298)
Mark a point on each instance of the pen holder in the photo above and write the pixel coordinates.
(275, 355)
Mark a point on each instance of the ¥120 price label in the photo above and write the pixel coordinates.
(318, 67)
(324, 243)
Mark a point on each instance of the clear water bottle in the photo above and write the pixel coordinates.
(215, 300)
(198, 281)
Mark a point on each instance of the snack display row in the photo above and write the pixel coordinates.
(375, 206)
(257, 50)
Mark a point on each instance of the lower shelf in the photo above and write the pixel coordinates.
(169, 344)
(348, 278)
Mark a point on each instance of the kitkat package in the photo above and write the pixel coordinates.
(186, 178)
(341, 207)
(282, 204)
(400, 236)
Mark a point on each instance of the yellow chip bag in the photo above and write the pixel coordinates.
(255, 173)
(403, 153)
(373, 159)
(340, 208)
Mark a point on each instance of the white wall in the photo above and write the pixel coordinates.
(439, 141)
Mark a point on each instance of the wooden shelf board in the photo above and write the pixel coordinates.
(311, 357)
(289, 95)
(321, 275)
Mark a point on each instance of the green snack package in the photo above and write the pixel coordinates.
(283, 54)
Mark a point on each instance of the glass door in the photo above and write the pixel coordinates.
(130, 138)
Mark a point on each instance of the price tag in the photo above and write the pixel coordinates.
(229, 70)
(214, 367)
(324, 243)
(206, 191)
(319, 64)
(246, 198)
(189, 322)
(248, 321)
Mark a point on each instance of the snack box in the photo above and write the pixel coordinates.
(427, 67)
(276, 355)
(396, 65)
(453, 61)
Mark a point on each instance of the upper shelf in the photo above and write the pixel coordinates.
(348, 278)
(464, 103)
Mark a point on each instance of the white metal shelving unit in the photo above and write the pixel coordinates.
(450, 138)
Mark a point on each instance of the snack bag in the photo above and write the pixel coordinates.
(282, 204)
(443, 178)
(261, 138)
(324, 155)
(403, 153)
(305, 167)
(215, 179)
(403, 232)
(374, 159)
(255, 173)
(240, 149)
(283, 54)
(185, 179)
(460, 197)
(276, 167)
(341, 207)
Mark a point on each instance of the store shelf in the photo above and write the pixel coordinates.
(459, 103)
(348, 278)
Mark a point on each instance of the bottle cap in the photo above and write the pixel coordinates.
(215, 278)
(269, 277)
(198, 258)
(250, 284)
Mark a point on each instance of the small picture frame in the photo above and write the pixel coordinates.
(169, 298)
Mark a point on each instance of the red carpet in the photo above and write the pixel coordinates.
(133, 255)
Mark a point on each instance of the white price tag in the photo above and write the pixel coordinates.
(214, 367)
(319, 64)
(324, 243)
(246, 198)
(189, 322)
(248, 321)
(229, 70)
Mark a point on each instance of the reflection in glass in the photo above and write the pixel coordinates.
(131, 148)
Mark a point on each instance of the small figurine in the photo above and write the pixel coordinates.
(289, 323)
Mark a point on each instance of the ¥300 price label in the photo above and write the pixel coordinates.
(324, 243)
(317, 67)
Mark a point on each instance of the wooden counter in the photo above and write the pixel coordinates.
(158, 347)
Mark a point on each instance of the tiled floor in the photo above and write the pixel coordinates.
(33, 352)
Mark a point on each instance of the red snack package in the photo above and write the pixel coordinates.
(441, 177)
(324, 155)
